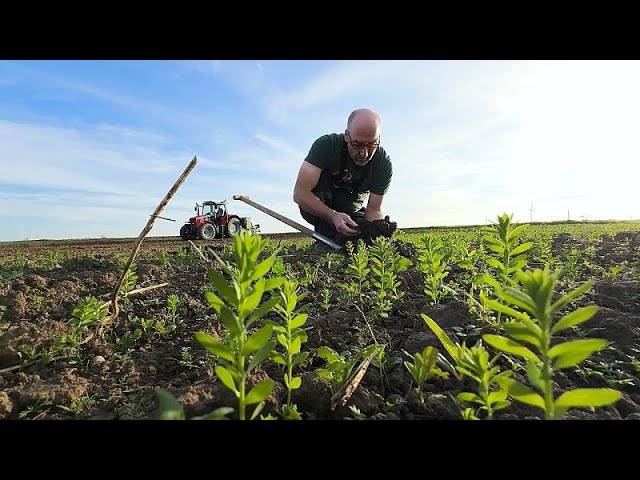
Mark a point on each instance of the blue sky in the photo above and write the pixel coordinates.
(89, 148)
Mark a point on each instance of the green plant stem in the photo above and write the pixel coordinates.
(241, 389)
(289, 372)
(547, 373)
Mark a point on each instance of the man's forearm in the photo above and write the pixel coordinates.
(371, 214)
(312, 204)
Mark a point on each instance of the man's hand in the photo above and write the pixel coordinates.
(366, 231)
(345, 225)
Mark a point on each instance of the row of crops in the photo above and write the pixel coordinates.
(264, 319)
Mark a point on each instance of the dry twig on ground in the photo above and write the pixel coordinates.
(344, 394)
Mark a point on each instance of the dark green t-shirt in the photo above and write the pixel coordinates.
(352, 183)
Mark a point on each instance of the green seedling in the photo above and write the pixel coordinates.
(537, 327)
(137, 411)
(507, 257)
(87, 313)
(469, 258)
(146, 326)
(280, 269)
(502, 239)
(186, 359)
(358, 269)
(386, 408)
(130, 278)
(308, 274)
(238, 302)
(338, 369)
(26, 353)
(127, 342)
(164, 259)
(41, 405)
(385, 364)
(467, 331)
(423, 368)
(331, 260)
(571, 269)
(78, 404)
(340, 365)
(160, 328)
(325, 301)
(613, 273)
(469, 414)
(386, 263)
(9, 272)
(38, 302)
(291, 336)
(51, 259)
(433, 267)
(358, 415)
(186, 256)
(173, 302)
(610, 372)
(474, 363)
(15, 269)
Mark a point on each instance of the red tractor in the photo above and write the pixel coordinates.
(212, 220)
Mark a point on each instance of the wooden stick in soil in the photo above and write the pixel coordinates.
(344, 394)
(199, 252)
(136, 247)
(139, 290)
(27, 364)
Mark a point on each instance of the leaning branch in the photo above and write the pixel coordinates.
(136, 246)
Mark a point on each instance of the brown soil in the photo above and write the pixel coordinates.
(107, 382)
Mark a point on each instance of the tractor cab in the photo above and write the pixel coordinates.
(213, 209)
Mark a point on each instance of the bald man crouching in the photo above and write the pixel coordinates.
(338, 174)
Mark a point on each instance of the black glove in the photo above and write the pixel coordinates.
(381, 228)
(369, 230)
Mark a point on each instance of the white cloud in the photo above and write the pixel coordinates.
(469, 140)
(560, 134)
(70, 158)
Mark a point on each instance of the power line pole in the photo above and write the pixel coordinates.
(531, 213)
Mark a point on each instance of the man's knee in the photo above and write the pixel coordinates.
(324, 192)
(319, 225)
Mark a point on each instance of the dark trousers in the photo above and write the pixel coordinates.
(325, 191)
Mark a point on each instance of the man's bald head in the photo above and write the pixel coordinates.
(364, 122)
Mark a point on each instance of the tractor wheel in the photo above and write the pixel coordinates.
(208, 231)
(188, 232)
(234, 227)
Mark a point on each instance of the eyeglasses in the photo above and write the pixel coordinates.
(359, 145)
